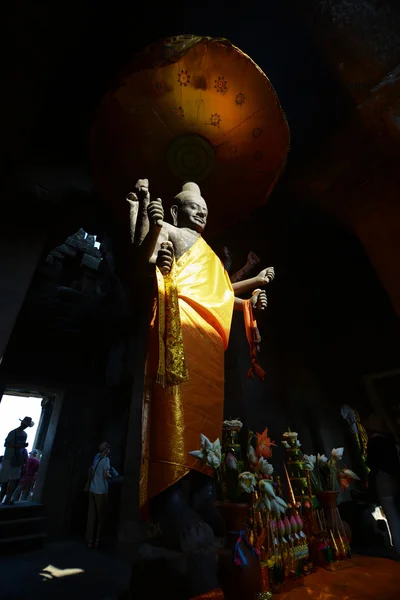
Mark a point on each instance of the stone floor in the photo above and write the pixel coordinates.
(68, 570)
(369, 579)
(63, 570)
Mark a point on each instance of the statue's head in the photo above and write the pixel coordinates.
(190, 209)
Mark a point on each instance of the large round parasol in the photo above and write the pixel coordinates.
(191, 108)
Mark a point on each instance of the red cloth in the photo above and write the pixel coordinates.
(28, 476)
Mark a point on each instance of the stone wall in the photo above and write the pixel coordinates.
(73, 337)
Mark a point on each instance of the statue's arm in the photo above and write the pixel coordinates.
(245, 272)
(248, 285)
(138, 220)
(139, 201)
(156, 247)
(258, 300)
(148, 251)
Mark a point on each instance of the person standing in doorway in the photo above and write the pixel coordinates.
(14, 458)
(99, 476)
(28, 477)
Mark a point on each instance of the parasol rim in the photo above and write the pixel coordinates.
(157, 56)
(129, 69)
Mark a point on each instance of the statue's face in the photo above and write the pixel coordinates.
(191, 213)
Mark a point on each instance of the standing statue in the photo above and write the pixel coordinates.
(184, 377)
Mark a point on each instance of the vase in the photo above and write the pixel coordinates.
(230, 491)
(334, 543)
(237, 582)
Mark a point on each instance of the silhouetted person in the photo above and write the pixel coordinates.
(14, 458)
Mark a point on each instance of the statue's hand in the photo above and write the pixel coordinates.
(156, 213)
(141, 192)
(259, 300)
(265, 276)
(132, 198)
(252, 259)
(165, 257)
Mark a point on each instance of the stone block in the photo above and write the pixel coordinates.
(66, 249)
(91, 262)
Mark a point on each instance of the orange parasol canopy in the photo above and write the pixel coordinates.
(191, 108)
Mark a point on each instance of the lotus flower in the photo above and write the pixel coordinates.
(288, 529)
(264, 467)
(322, 459)
(263, 503)
(308, 465)
(214, 455)
(231, 462)
(299, 522)
(294, 524)
(337, 453)
(309, 462)
(205, 446)
(266, 487)
(276, 507)
(311, 458)
(349, 473)
(345, 477)
(298, 444)
(281, 528)
(208, 453)
(281, 502)
(285, 444)
(290, 434)
(252, 455)
(247, 482)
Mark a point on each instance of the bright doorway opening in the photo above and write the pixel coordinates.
(12, 409)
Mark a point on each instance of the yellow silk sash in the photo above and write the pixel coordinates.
(172, 369)
(184, 391)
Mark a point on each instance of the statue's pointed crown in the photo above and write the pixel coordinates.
(189, 190)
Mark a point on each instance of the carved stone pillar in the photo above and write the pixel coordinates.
(131, 532)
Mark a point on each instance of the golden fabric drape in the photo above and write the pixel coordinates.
(253, 338)
(174, 416)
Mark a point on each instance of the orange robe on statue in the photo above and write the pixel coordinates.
(189, 334)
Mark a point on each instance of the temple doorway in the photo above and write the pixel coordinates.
(16, 405)
(12, 409)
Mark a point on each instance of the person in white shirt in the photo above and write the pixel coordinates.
(99, 476)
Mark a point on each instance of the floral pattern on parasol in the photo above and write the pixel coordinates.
(192, 109)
